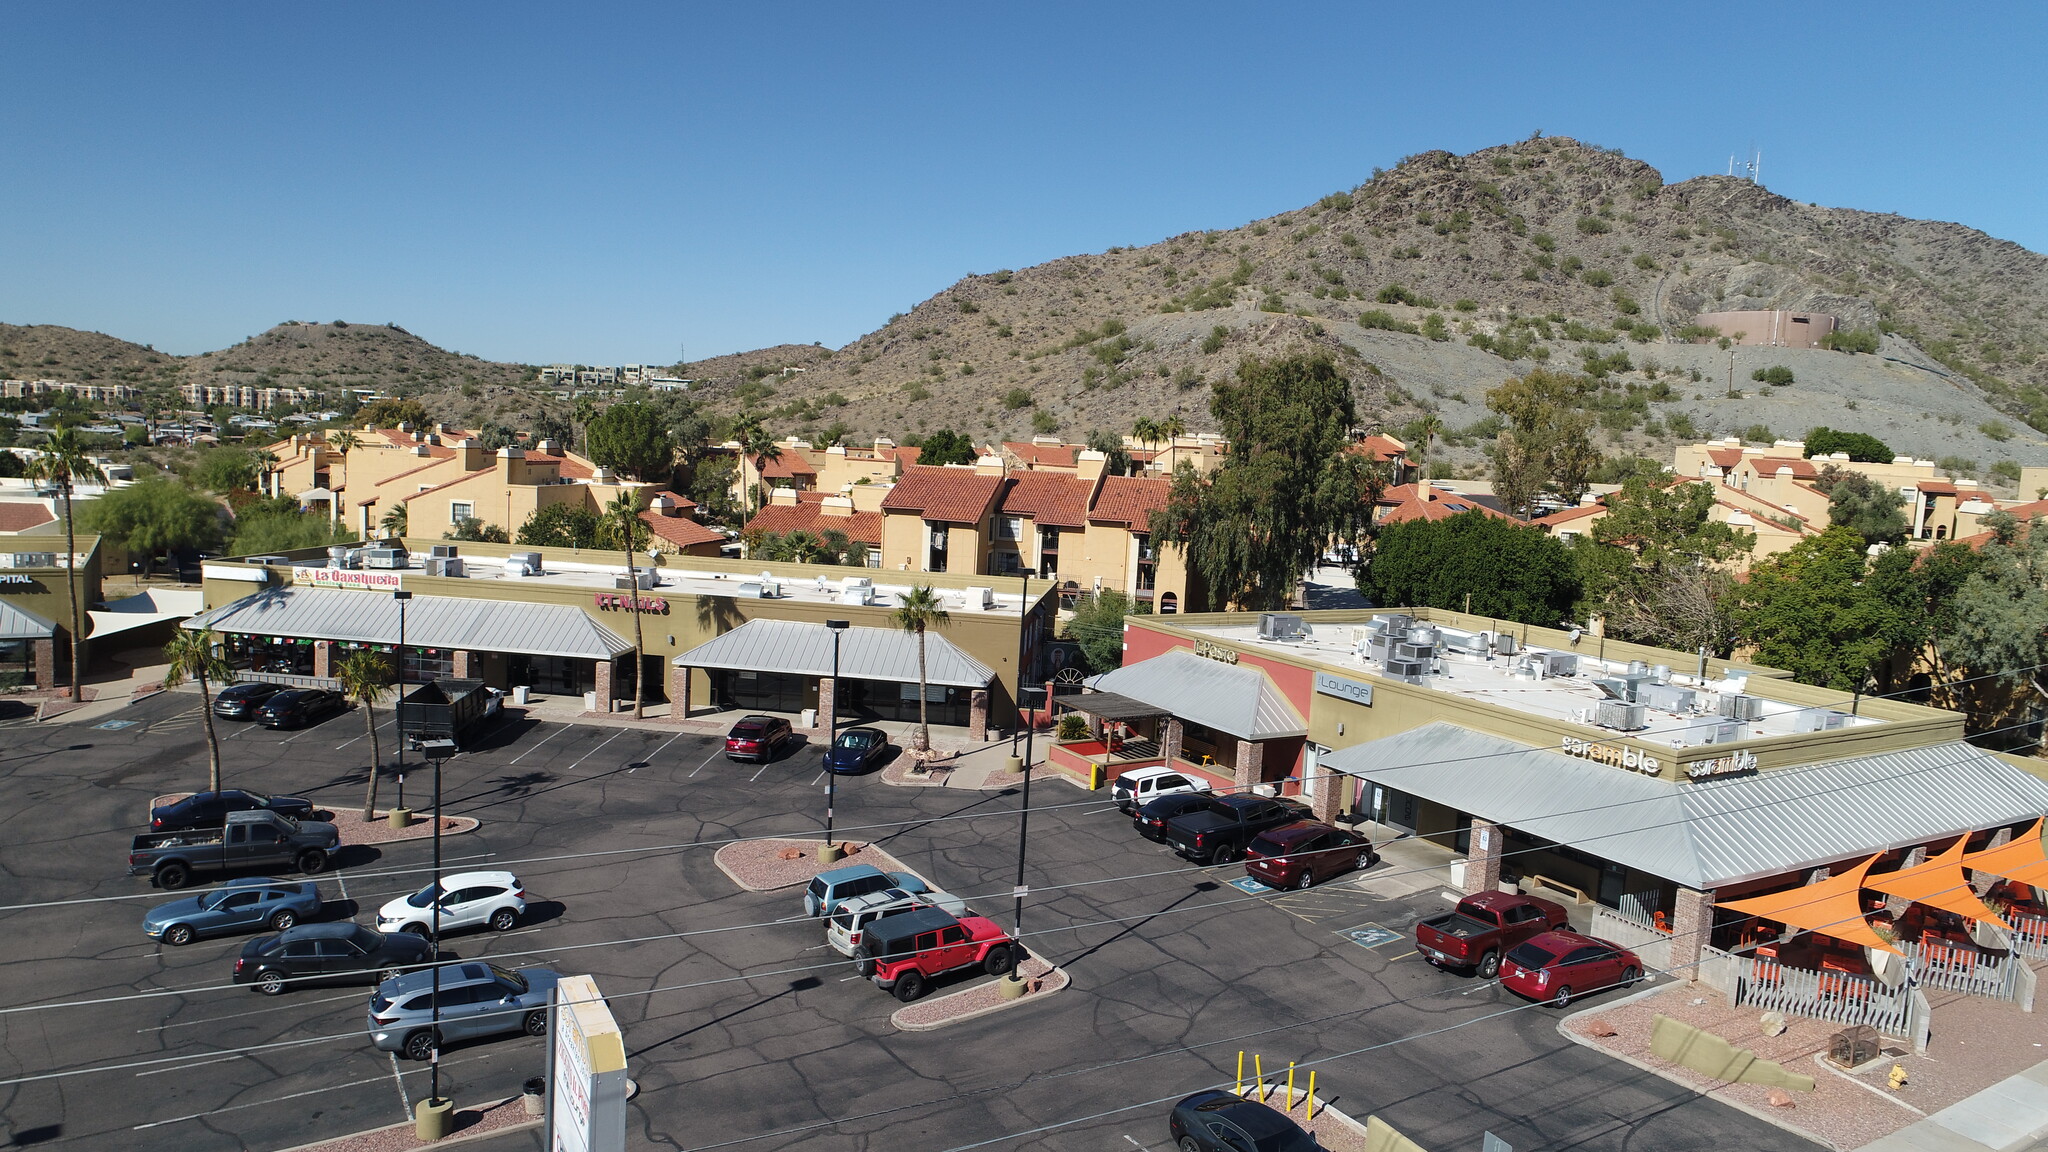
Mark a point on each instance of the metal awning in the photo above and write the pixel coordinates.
(1110, 706)
(1226, 697)
(1705, 835)
(22, 624)
(797, 648)
(460, 623)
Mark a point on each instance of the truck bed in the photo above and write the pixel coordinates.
(191, 838)
(1456, 926)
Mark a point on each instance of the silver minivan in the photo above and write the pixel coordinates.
(842, 931)
(477, 999)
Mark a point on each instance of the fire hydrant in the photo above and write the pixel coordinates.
(1898, 1077)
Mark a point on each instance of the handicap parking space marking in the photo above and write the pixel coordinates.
(116, 725)
(1371, 935)
(1249, 886)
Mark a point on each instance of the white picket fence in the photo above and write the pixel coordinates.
(1836, 997)
(1970, 970)
(2029, 935)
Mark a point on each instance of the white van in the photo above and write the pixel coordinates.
(842, 928)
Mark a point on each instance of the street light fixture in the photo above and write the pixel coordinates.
(436, 751)
(838, 628)
(1016, 987)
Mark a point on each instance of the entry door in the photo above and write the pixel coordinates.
(1397, 808)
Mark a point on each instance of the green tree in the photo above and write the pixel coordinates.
(1098, 627)
(392, 411)
(945, 447)
(560, 526)
(1874, 511)
(366, 678)
(1861, 446)
(711, 481)
(194, 654)
(1501, 569)
(224, 470)
(342, 443)
(917, 612)
(396, 521)
(1116, 459)
(63, 462)
(493, 436)
(1652, 567)
(1809, 612)
(549, 426)
(1286, 491)
(1547, 445)
(621, 527)
(471, 528)
(757, 449)
(631, 436)
(154, 517)
(1996, 623)
(277, 525)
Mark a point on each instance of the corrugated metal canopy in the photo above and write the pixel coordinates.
(804, 649)
(1226, 697)
(1707, 834)
(22, 624)
(470, 625)
(1110, 706)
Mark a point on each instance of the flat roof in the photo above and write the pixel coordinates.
(1506, 681)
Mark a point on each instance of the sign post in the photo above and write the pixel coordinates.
(587, 1072)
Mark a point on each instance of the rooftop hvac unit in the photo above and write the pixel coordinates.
(337, 556)
(1639, 668)
(1414, 652)
(1377, 650)
(1423, 634)
(861, 593)
(523, 564)
(1618, 716)
(270, 559)
(1543, 662)
(1666, 697)
(1459, 640)
(444, 565)
(850, 582)
(1413, 671)
(1725, 732)
(32, 560)
(1661, 673)
(1817, 720)
(441, 551)
(983, 598)
(1504, 643)
(625, 583)
(1836, 720)
(1279, 626)
(1738, 706)
(384, 558)
(1395, 623)
(747, 589)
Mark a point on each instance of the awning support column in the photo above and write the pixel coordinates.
(1692, 921)
(1170, 740)
(1251, 760)
(679, 692)
(1482, 862)
(606, 671)
(828, 705)
(323, 658)
(977, 715)
(45, 654)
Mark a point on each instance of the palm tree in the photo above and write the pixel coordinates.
(266, 466)
(65, 463)
(623, 529)
(1173, 428)
(1431, 426)
(1147, 431)
(918, 610)
(195, 653)
(366, 679)
(393, 523)
(343, 443)
(757, 447)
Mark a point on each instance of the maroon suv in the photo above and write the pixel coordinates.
(1305, 853)
(758, 738)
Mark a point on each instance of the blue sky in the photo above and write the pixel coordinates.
(606, 183)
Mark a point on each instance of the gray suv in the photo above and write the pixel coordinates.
(476, 1000)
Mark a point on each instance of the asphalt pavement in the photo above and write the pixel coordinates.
(743, 1030)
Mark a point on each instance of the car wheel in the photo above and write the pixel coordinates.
(1306, 880)
(312, 860)
(390, 974)
(999, 960)
(419, 930)
(270, 983)
(284, 919)
(178, 935)
(1563, 995)
(503, 919)
(1630, 976)
(1188, 1144)
(173, 876)
(420, 1046)
(537, 1023)
(1489, 966)
(1222, 855)
(909, 986)
(864, 967)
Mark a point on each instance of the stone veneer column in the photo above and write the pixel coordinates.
(828, 704)
(45, 654)
(1251, 758)
(1692, 921)
(606, 669)
(462, 665)
(678, 692)
(323, 658)
(1170, 740)
(977, 715)
(1483, 856)
(1330, 787)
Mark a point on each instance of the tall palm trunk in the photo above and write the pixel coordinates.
(376, 763)
(639, 645)
(212, 740)
(78, 613)
(924, 728)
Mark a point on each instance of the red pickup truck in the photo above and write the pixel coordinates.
(1483, 928)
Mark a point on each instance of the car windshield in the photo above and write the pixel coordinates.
(1530, 955)
(1269, 846)
(859, 741)
(366, 939)
(513, 979)
(422, 898)
(256, 797)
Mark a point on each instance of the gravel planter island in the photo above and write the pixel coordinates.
(765, 865)
(354, 830)
(467, 1124)
(1040, 979)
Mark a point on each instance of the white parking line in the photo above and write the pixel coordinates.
(398, 1078)
(596, 750)
(237, 1015)
(658, 751)
(814, 783)
(182, 1067)
(715, 753)
(549, 736)
(757, 775)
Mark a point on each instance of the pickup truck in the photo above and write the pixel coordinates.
(446, 709)
(1218, 831)
(1482, 929)
(252, 839)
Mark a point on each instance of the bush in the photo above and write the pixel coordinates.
(2007, 470)
(1644, 333)
(1599, 277)
(1213, 342)
(1861, 446)
(1776, 374)
(1593, 225)
(1016, 398)
(1644, 262)
(1854, 340)
(1395, 294)
(1957, 465)
(1466, 305)
(1761, 433)
(1433, 326)
(1997, 430)
(1544, 241)
(1072, 727)
(1694, 333)
(1383, 320)
(1272, 302)
(1042, 422)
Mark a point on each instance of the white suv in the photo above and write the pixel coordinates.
(468, 900)
(1132, 789)
(842, 928)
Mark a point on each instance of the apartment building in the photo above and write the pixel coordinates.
(94, 393)
(798, 464)
(253, 396)
(1202, 451)
(1938, 507)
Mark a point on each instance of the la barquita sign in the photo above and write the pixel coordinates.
(361, 581)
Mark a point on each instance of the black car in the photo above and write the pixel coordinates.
(210, 809)
(241, 701)
(295, 706)
(758, 738)
(1151, 817)
(1217, 1121)
(857, 750)
(329, 953)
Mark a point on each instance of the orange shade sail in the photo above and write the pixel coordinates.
(1833, 907)
(1938, 883)
(2020, 860)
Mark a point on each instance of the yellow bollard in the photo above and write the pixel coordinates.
(1238, 1085)
(1259, 1069)
(1290, 1086)
(1309, 1105)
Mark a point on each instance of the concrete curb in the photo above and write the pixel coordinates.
(1564, 1030)
(457, 1138)
(1055, 978)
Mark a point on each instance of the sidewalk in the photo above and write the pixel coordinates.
(2009, 1116)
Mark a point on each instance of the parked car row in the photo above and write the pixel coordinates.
(276, 706)
(902, 934)
(1529, 944)
(759, 739)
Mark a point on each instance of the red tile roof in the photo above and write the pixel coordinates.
(1130, 500)
(1936, 488)
(1051, 499)
(1442, 506)
(904, 456)
(783, 519)
(950, 495)
(568, 467)
(17, 516)
(1725, 457)
(1043, 455)
(787, 465)
(682, 531)
(1769, 465)
(1378, 447)
(1567, 515)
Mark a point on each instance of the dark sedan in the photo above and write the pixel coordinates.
(857, 750)
(329, 953)
(210, 809)
(1151, 817)
(241, 701)
(1217, 1121)
(296, 706)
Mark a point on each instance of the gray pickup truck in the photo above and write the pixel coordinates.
(257, 839)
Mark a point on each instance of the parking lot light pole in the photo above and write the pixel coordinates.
(1024, 816)
(436, 751)
(838, 628)
(402, 596)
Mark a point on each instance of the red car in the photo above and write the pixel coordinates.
(1557, 966)
(1305, 853)
(758, 738)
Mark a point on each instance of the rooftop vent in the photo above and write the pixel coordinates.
(1619, 716)
(1280, 626)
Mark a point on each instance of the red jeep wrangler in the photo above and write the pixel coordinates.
(904, 951)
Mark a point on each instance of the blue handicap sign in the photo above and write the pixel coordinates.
(1249, 886)
(1370, 935)
(117, 725)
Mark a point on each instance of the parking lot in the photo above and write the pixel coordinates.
(743, 1029)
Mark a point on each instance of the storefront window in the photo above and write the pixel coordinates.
(759, 691)
(17, 663)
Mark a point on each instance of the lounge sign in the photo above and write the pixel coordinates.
(632, 603)
(1621, 756)
(1344, 689)
(360, 581)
